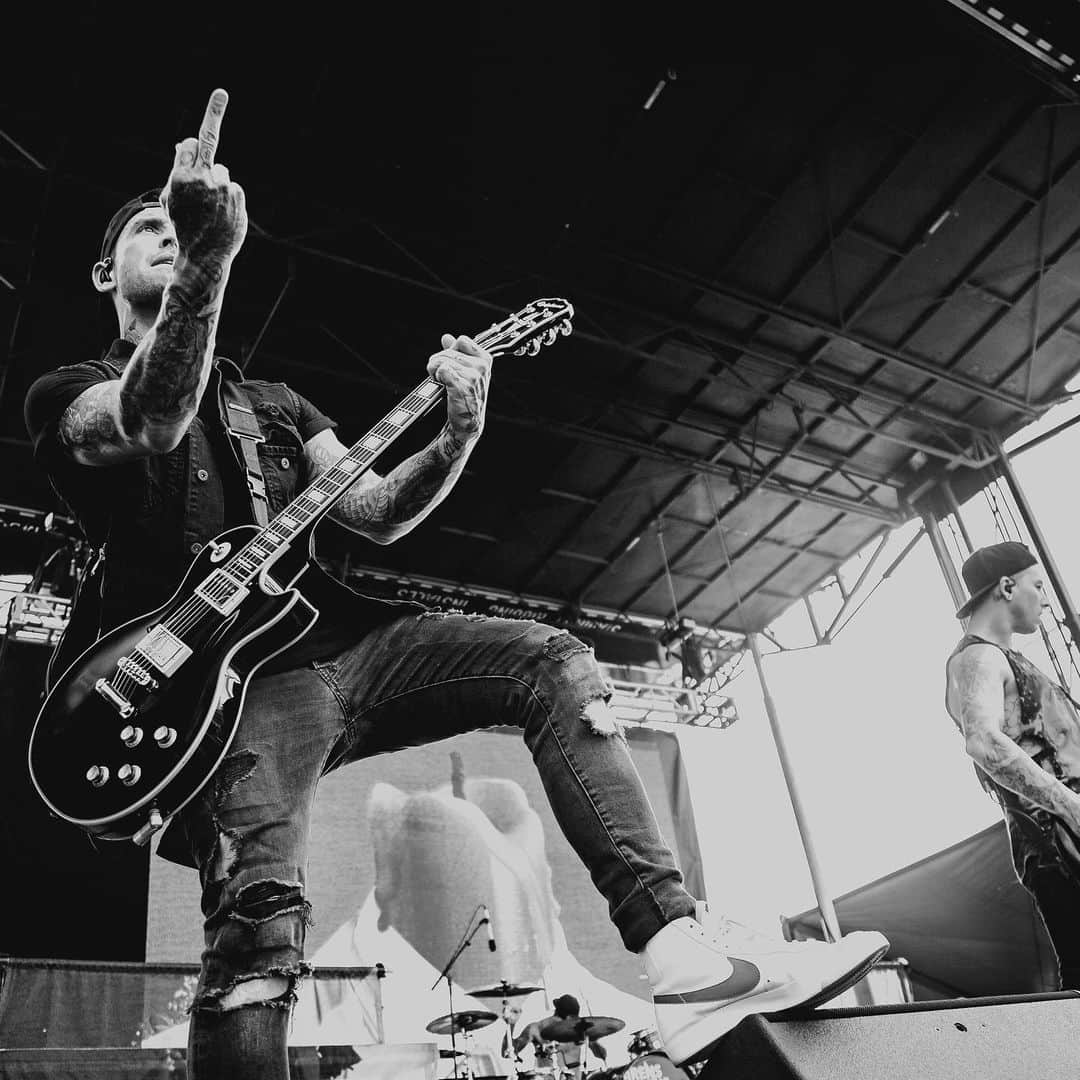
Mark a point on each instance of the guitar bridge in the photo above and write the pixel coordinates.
(115, 698)
(134, 671)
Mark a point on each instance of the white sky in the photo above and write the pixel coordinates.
(881, 769)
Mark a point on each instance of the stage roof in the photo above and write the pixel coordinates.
(833, 259)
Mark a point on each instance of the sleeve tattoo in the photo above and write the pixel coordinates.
(88, 423)
(981, 694)
(385, 508)
(164, 379)
(159, 391)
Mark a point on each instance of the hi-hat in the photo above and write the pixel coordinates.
(584, 1027)
(504, 989)
(456, 1023)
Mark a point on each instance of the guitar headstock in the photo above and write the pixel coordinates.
(528, 330)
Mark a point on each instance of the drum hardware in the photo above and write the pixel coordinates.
(583, 1029)
(504, 990)
(464, 1022)
(461, 1023)
(642, 1042)
(579, 1031)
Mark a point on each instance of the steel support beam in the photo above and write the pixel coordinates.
(941, 553)
(831, 523)
(1057, 580)
(850, 594)
(686, 463)
(836, 333)
(826, 907)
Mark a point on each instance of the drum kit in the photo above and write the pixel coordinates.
(647, 1058)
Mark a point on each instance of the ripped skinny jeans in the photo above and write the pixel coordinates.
(412, 681)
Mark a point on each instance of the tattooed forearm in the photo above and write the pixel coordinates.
(149, 408)
(392, 506)
(164, 380)
(1013, 769)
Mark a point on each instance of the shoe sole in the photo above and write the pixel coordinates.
(723, 1020)
(830, 991)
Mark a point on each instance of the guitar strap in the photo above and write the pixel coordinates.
(244, 431)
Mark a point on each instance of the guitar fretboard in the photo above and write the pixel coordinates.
(520, 332)
(315, 500)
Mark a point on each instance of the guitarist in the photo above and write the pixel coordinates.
(1023, 732)
(136, 444)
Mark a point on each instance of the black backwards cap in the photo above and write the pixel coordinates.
(987, 566)
(122, 216)
(566, 1006)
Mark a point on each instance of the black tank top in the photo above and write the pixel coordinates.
(1048, 731)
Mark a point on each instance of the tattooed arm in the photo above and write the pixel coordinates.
(977, 681)
(148, 409)
(384, 508)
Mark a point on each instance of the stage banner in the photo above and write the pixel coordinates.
(407, 846)
(616, 639)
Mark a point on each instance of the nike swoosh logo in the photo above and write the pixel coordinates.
(743, 979)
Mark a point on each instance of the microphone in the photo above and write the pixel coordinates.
(486, 921)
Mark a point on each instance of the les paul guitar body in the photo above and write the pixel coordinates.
(115, 767)
(137, 725)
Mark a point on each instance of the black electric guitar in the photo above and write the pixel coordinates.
(137, 725)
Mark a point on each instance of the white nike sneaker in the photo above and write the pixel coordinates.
(703, 983)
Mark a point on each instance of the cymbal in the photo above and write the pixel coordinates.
(584, 1027)
(456, 1023)
(504, 989)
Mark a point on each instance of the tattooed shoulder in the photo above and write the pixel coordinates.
(320, 456)
(89, 422)
(978, 678)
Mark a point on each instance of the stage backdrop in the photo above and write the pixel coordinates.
(404, 848)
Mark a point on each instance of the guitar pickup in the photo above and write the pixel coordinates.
(164, 650)
(223, 597)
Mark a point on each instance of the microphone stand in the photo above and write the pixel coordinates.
(466, 941)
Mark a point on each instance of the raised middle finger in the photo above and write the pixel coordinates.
(211, 126)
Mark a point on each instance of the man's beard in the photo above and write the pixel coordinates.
(146, 292)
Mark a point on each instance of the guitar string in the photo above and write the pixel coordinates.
(196, 608)
(385, 429)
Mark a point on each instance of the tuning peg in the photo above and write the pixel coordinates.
(550, 334)
(565, 328)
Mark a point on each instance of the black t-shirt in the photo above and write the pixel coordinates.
(93, 493)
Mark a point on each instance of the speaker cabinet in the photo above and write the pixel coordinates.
(1036, 1037)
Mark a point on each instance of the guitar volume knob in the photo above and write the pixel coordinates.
(128, 775)
(165, 736)
(98, 775)
(131, 736)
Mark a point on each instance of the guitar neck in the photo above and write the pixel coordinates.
(523, 333)
(321, 495)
